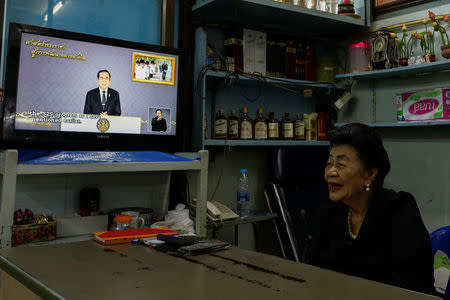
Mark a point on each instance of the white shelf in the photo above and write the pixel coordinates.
(10, 169)
(24, 169)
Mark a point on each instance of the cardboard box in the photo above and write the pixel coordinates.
(33, 233)
(260, 52)
(249, 51)
(426, 105)
(255, 44)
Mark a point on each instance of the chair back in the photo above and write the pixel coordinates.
(440, 240)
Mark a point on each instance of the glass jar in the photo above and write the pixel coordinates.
(121, 222)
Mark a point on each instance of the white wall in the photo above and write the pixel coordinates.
(420, 157)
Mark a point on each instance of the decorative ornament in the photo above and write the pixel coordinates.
(384, 50)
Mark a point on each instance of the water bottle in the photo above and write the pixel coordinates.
(243, 194)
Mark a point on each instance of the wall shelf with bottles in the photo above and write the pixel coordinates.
(273, 15)
(274, 143)
(403, 124)
(220, 90)
(423, 69)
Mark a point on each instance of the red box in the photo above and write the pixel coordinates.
(33, 233)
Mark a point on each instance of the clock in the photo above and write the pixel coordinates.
(385, 53)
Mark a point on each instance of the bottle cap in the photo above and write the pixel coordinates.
(243, 170)
(233, 112)
(222, 112)
(260, 111)
(245, 110)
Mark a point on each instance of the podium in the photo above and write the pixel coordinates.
(100, 124)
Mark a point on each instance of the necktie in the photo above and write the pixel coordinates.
(103, 99)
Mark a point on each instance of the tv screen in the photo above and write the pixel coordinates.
(78, 91)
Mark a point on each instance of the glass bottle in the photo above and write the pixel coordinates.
(233, 126)
(260, 126)
(299, 128)
(121, 222)
(220, 125)
(322, 127)
(246, 132)
(287, 128)
(273, 126)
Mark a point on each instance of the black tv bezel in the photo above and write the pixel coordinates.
(37, 139)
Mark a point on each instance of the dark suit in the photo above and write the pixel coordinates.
(93, 103)
(159, 125)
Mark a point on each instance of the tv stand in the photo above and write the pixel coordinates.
(197, 171)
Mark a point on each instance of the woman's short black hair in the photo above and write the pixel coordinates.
(369, 147)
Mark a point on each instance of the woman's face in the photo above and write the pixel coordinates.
(345, 174)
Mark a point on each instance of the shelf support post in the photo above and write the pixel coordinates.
(8, 196)
(202, 192)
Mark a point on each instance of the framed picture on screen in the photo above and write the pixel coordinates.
(153, 68)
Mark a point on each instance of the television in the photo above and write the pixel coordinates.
(73, 91)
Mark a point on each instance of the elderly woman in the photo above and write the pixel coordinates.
(369, 231)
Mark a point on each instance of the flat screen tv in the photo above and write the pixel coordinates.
(66, 90)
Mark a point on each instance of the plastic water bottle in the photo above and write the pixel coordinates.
(243, 194)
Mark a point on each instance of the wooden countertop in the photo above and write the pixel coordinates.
(87, 270)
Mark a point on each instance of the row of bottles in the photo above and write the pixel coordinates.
(310, 127)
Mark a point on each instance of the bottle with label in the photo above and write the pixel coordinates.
(243, 194)
(322, 127)
(233, 126)
(233, 49)
(287, 128)
(260, 126)
(273, 127)
(299, 128)
(246, 132)
(221, 125)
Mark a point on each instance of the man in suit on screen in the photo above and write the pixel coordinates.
(103, 100)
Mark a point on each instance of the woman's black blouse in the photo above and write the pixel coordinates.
(393, 245)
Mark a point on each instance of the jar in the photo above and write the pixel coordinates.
(325, 69)
(121, 222)
(359, 55)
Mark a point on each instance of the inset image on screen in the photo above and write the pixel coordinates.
(153, 68)
(160, 119)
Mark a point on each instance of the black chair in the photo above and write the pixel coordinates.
(296, 193)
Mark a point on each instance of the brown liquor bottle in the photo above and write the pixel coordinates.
(246, 130)
(221, 125)
(287, 128)
(299, 128)
(273, 126)
(260, 126)
(233, 126)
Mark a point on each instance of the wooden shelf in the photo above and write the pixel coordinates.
(272, 15)
(271, 143)
(423, 69)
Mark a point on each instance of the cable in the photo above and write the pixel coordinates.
(220, 175)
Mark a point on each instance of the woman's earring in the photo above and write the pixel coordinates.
(367, 187)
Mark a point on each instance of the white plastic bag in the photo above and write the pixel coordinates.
(177, 220)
